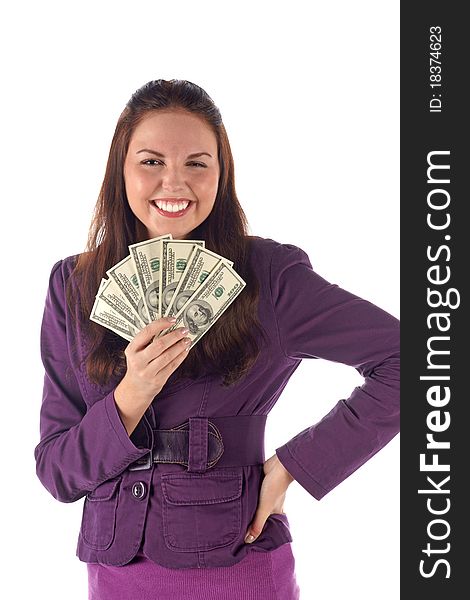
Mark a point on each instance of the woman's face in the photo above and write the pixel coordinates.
(159, 166)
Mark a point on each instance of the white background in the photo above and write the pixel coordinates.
(309, 95)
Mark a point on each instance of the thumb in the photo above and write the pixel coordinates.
(255, 528)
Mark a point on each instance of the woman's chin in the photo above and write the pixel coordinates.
(176, 234)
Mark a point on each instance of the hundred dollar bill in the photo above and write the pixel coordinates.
(103, 314)
(200, 264)
(174, 258)
(112, 294)
(123, 273)
(208, 302)
(146, 257)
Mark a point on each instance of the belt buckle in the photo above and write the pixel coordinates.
(202, 454)
(190, 448)
(142, 463)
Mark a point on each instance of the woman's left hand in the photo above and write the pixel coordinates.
(272, 495)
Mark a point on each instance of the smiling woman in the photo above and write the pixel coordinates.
(180, 501)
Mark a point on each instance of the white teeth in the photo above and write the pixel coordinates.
(171, 206)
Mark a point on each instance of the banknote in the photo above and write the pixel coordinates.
(105, 315)
(146, 257)
(210, 300)
(174, 258)
(200, 264)
(111, 293)
(123, 273)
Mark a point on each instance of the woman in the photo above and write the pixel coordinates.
(166, 444)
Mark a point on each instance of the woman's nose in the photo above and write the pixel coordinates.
(172, 177)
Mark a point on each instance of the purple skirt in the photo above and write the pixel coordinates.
(258, 576)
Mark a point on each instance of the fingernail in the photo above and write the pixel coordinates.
(171, 319)
(249, 538)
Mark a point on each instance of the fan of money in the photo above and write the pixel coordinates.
(164, 277)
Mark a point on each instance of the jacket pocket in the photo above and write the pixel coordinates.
(201, 511)
(99, 514)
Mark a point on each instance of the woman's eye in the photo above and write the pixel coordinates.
(146, 161)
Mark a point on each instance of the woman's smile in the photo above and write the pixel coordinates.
(172, 208)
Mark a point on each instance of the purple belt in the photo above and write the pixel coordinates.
(201, 442)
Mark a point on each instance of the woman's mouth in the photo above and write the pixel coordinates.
(172, 210)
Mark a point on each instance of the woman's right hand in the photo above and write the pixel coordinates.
(151, 359)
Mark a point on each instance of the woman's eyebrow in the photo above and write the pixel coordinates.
(194, 155)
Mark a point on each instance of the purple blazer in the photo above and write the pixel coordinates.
(195, 513)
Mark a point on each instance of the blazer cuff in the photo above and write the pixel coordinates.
(299, 474)
(121, 432)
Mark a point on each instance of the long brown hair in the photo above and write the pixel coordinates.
(230, 348)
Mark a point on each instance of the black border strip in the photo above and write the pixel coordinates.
(434, 269)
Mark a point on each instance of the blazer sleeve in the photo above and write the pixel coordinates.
(319, 319)
(80, 446)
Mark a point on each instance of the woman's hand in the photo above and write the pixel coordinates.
(150, 361)
(272, 495)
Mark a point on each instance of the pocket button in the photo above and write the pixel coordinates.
(139, 490)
